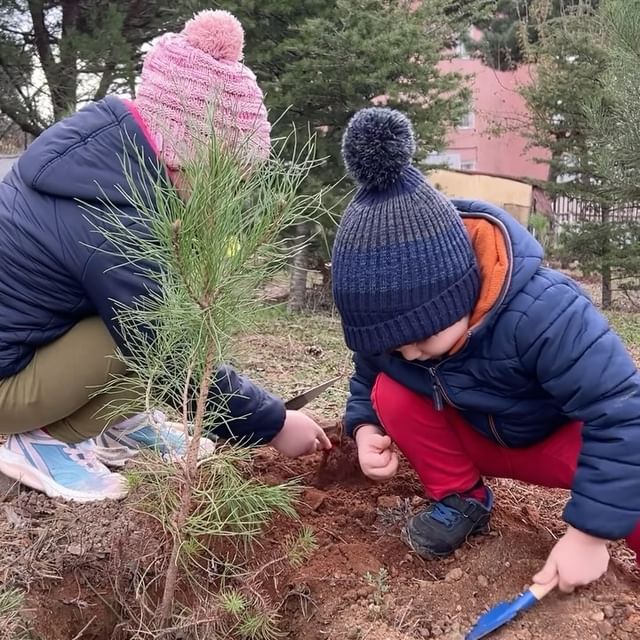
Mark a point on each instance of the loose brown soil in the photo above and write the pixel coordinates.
(361, 582)
(77, 563)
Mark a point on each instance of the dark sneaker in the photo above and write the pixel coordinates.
(446, 525)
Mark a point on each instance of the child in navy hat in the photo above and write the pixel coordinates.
(475, 360)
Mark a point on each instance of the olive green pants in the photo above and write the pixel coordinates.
(56, 389)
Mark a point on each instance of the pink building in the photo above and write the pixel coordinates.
(496, 104)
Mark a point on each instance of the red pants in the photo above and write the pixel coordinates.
(450, 456)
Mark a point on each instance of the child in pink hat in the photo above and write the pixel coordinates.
(196, 77)
(59, 292)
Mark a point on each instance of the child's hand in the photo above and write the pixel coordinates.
(576, 560)
(377, 459)
(299, 436)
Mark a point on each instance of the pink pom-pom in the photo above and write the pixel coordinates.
(218, 33)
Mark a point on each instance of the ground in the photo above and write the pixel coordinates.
(73, 563)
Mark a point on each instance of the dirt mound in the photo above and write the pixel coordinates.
(361, 582)
(364, 583)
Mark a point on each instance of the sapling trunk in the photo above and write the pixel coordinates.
(190, 468)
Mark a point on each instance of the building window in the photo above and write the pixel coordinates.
(468, 165)
(451, 160)
(467, 121)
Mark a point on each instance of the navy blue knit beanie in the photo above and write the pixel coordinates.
(403, 268)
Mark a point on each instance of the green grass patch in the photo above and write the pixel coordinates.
(627, 325)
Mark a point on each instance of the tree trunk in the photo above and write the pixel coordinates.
(64, 94)
(299, 271)
(607, 295)
(606, 265)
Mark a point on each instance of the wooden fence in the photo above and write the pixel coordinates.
(568, 211)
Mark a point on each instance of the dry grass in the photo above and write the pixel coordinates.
(289, 354)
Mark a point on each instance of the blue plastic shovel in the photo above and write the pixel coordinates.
(506, 611)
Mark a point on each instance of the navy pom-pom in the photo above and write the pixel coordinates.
(377, 145)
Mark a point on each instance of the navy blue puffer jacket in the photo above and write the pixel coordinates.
(544, 355)
(51, 272)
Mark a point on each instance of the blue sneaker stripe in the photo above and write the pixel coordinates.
(42, 451)
(25, 451)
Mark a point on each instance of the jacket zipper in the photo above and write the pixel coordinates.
(439, 394)
(440, 397)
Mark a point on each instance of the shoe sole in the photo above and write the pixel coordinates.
(17, 468)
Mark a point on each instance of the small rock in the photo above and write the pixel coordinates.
(605, 628)
(363, 592)
(389, 502)
(609, 611)
(483, 582)
(354, 633)
(13, 517)
(627, 625)
(597, 616)
(313, 498)
(74, 549)
(454, 575)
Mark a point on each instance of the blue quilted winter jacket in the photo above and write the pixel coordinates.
(544, 355)
(56, 270)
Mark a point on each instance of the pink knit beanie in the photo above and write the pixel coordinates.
(193, 79)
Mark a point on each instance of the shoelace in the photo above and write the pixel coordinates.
(445, 515)
(84, 456)
(153, 419)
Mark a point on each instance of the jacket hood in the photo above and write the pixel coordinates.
(525, 252)
(88, 155)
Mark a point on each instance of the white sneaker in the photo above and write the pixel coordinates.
(124, 441)
(60, 470)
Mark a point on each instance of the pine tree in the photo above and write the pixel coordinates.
(614, 128)
(613, 117)
(322, 60)
(582, 103)
(209, 248)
